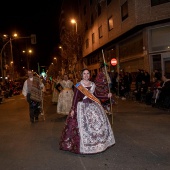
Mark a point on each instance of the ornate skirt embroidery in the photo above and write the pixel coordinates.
(95, 131)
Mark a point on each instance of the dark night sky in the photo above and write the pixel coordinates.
(33, 17)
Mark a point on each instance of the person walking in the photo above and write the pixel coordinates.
(103, 85)
(32, 91)
(55, 89)
(87, 129)
(65, 96)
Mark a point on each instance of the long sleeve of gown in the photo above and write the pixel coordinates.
(78, 96)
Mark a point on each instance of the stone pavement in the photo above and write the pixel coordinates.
(141, 133)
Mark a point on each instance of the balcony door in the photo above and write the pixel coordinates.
(166, 64)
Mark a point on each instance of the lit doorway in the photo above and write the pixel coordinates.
(166, 65)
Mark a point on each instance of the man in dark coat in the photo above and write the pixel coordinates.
(103, 83)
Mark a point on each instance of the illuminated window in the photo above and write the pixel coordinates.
(110, 23)
(100, 32)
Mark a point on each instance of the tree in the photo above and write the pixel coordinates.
(72, 51)
(51, 71)
(54, 69)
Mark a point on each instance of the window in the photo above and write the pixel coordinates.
(124, 11)
(85, 10)
(99, 9)
(110, 23)
(158, 2)
(91, 1)
(93, 59)
(87, 43)
(92, 19)
(108, 2)
(100, 32)
(156, 59)
(93, 38)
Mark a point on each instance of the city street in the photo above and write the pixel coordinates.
(142, 135)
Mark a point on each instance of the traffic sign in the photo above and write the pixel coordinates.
(113, 61)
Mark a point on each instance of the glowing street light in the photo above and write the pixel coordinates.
(73, 21)
(9, 40)
(30, 51)
(60, 47)
(27, 52)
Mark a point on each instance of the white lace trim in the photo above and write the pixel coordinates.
(95, 131)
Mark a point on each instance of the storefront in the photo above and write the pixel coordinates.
(159, 48)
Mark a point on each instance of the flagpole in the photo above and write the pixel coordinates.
(38, 69)
(108, 84)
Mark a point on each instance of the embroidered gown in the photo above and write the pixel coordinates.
(55, 93)
(65, 97)
(89, 130)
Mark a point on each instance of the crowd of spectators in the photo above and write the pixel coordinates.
(9, 88)
(151, 89)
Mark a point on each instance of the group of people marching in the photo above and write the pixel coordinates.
(87, 128)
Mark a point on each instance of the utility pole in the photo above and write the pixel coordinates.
(33, 41)
(12, 59)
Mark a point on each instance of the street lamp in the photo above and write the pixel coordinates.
(28, 61)
(73, 21)
(12, 59)
(9, 41)
(33, 41)
(61, 52)
(60, 47)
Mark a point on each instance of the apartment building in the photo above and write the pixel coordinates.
(135, 32)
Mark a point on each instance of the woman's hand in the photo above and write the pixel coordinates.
(109, 95)
(72, 113)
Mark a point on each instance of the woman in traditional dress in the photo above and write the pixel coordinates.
(87, 129)
(55, 90)
(65, 97)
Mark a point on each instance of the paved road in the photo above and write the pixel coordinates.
(142, 136)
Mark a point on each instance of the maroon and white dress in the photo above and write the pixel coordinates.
(89, 130)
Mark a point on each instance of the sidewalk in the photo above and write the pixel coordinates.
(133, 105)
